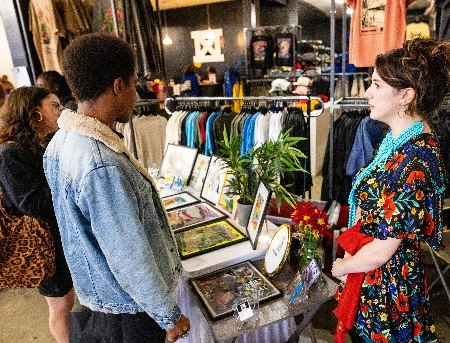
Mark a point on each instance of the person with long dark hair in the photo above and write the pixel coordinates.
(28, 121)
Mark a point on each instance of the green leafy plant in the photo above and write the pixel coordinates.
(266, 162)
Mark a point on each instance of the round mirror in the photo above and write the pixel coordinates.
(278, 250)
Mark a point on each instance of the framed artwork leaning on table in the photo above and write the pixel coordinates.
(186, 217)
(227, 200)
(199, 172)
(178, 160)
(222, 290)
(178, 200)
(208, 237)
(214, 180)
(258, 213)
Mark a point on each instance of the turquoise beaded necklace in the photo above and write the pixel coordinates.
(386, 150)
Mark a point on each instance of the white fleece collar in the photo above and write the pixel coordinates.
(91, 127)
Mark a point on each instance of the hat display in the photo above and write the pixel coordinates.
(280, 85)
(302, 81)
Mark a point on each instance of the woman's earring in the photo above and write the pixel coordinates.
(398, 111)
(40, 115)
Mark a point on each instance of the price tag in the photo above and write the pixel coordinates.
(244, 310)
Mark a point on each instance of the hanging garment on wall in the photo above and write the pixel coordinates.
(54, 24)
(442, 19)
(135, 22)
(261, 52)
(376, 30)
(47, 28)
(285, 49)
(344, 131)
(417, 30)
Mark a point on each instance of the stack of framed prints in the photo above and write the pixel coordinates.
(222, 290)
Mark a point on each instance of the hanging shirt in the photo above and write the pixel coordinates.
(375, 28)
(47, 27)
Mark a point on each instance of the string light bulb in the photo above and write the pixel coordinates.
(166, 40)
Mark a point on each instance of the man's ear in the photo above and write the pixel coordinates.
(118, 85)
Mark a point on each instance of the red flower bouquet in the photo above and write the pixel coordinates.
(310, 224)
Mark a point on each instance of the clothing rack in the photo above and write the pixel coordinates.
(260, 99)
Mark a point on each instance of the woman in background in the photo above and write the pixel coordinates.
(396, 202)
(190, 81)
(56, 83)
(28, 121)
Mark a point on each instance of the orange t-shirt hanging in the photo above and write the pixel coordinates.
(376, 27)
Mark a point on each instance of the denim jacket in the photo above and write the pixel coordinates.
(119, 247)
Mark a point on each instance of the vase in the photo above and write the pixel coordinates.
(294, 252)
(311, 249)
(243, 212)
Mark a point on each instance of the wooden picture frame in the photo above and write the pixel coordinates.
(178, 200)
(194, 215)
(220, 291)
(227, 202)
(199, 171)
(208, 237)
(178, 160)
(214, 179)
(258, 214)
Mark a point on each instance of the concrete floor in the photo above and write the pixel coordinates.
(24, 314)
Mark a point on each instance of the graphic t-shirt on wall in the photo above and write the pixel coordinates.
(261, 52)
(285, 49)
(376, 27)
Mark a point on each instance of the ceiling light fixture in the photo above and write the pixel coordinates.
(209, 35)
(166, 40)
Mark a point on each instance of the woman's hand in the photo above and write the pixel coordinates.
(337, 269)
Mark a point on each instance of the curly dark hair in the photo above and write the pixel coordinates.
(423, 65)
(57, 84)
(93, 61)
(20, 118)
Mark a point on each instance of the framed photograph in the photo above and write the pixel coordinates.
(227, 201)
(258, 213)
(199, 172)
(178, 160)
(214, 179)
(223, 290)
(178, 200)
(189, 216)
(208, 237)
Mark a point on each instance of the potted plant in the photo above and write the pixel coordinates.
(266, 162)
